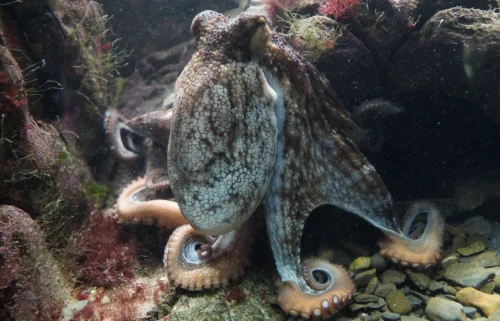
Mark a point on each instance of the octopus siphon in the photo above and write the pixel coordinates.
(255, 128)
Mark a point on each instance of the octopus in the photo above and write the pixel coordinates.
(257, 134)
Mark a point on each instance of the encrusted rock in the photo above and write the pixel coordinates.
(393, 276)
(397, 303)
(420, 280)
(488, 303)
(360, 264)
(474, 248)
(465, 274)
(383, 290)
(486, 259)
(438, 309)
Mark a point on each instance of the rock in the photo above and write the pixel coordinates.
(449, 260)
(372, 286)
(383, 290)
(397, 303)
(362, 279)
(421, 296)
(466, 275)
(470, 311)
(378, 262)
(449, 289)
(436, 286)
(414, 301)
(438, 309)
(488, 287)
(421, 280)
(476, 225)
(486, 259)
(390, 316)
(488, 303)
(405, 289)
(474, 248)
(411, 318)
(495, 316)
(369, 306)
(393, 276)
(360, 264)
(366, 298)
(105, 300)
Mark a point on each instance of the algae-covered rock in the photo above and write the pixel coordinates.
(251, 300)
(31, 284)
(397, 303)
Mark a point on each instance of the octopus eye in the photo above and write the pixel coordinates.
(261, 20)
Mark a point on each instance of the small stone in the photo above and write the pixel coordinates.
(365, 298)
(393, 276)
(383, 290)
(360, 264)
(421, 280)
(466, 274)
(421, 296)
(378, 262)
(372, 286)
(390, 316)
(449, 260)
(488, 303)
(368, 306)
(449, 289)
(397, 303)
(488, 287)
(470, 311)
(374, 316)
(411, 318)
(495, 316)
(474, 248)
(105, 300)
(438, 309)
(486, 259)
(362, 279)
(476, 225)
(436, 286)
(414, 301)
(405, 289)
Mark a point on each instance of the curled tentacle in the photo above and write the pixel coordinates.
(197, 261)
(157, 179)
(332, 288)
(114, 124)
(421, 252)
(133, 206)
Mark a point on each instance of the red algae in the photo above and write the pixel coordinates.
(106, 255)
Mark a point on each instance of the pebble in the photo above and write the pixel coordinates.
(360, 264)
(474, 248)
(495, 316)
(362, 279)
(421, 280)
(378, 262)
(390, 316)
(372, 286)
(411, 318)
(476, 225)
(436, 286)
(488, 287)
(405, 289)
(414, 301)
(486, 259)
(393, 276)
(397, 303)
(470, 311)
(468, 275)
(365, 298)
(449, 289)
(438, 309)
(105, 300)
(368, 306)
(421, 296)
(449, 260)
(383, 290)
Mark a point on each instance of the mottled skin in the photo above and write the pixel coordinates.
(254, 124)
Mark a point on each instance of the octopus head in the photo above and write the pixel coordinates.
(223, 134)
